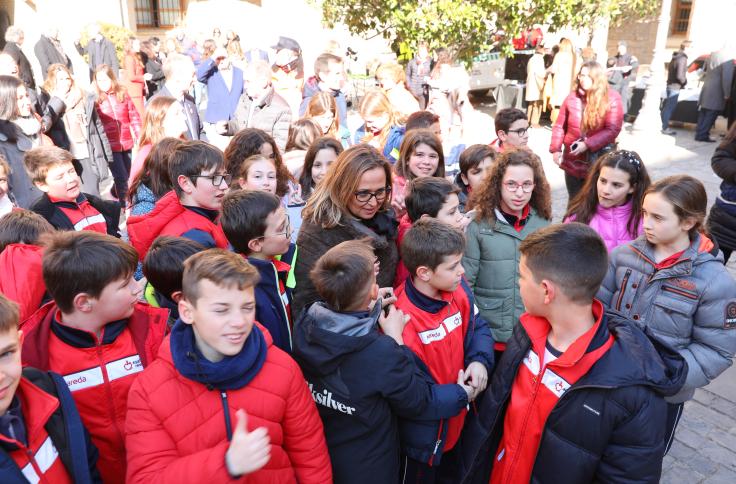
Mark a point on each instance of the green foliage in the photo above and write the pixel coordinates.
(470, 27)
(116, 34)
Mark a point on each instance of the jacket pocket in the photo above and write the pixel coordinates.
(673, 316)
(492, 310)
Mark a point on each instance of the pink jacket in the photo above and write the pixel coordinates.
(567, 130)
(121, 121)
(612, 225)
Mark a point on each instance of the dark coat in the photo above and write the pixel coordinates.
(25, 71)
(271, 113)
(13, 145)
(314, 241)
(154, 67)
(677, 71)
(346, 360)
(717, 80)
(195, 129)
(608, 427)
(66, 430)
(47, 54)
(110, 209)
(722, 218)
(102, 52)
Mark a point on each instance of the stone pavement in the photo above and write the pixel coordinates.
(704, 450)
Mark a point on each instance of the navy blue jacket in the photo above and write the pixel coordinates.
(423, 438)
(361, 381)
(271, 310)
(221, 102)
(607, 427)
(66, 430)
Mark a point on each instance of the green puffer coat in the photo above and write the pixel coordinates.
(491, 265)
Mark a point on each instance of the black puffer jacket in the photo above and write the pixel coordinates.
(722, 218)
(608, 427)
(13, 147)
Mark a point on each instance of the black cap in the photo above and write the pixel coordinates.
(287, 43)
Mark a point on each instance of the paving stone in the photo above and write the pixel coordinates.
(722, 476)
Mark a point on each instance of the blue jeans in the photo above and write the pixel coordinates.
(706, 120)
(668, 107)
(120, 168)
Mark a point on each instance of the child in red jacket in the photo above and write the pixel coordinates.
(62, 203)
(94, 334)
(446, 334)
(192, 208)
(221, 402)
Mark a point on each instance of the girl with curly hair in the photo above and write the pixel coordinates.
(513, 201)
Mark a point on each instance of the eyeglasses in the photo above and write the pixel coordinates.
(513, 187)
(364, 196)
(520, 132)
(216, 179)
(286, 233)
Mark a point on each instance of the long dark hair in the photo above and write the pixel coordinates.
(584, 205)
(323, 143)
(730, 137)
(155, 171)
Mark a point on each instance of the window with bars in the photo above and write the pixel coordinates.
(681, 17)
(158, 13)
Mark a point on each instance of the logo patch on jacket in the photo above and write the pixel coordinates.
(730, 316)
(685, 284)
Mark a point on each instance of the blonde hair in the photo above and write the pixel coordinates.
(329, 202)
(376, 103)
(38, 161)
(392, 69)
(153, 121)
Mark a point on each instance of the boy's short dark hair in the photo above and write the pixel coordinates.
(244, 214)
(426, 196)
(548, 253)
(428, 242)
(421, 120)
(9, 315)
(164, 262)
(506, 117)
(322, 62)
(473, 155)
(23, 227)
(219, 266)
(84, 262)
(343, 276)
(190, 159)
(38, 161)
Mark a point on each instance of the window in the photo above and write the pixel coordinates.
(158, 13)
(681, 16)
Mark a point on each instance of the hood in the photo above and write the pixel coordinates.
(323, 338)
(638, 358)
(678, 54)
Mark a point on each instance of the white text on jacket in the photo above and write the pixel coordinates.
(325, 399)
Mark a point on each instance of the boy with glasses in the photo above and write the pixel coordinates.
(512, 128)
(257, 226)
(192, 209)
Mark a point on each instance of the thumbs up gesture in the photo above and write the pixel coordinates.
(248, 451)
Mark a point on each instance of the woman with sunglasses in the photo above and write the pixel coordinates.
(589, 122)
(352, 202)
(513, 201)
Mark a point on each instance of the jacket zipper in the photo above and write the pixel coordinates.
(34, 464)
(677, 291)
(108, 390)
(624, 282)
(437, 444)
(283, 306)
(226, 411)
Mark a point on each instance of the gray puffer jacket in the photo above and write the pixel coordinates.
(690, 305)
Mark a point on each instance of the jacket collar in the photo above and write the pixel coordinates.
(700, 250)
(211, 215)
(424, 302)
(80, 338)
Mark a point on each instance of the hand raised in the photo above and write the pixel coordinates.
(248, 451)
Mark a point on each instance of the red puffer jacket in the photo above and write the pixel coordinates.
(567, 130)
(22, 279)
(175, 427)
(121, 121)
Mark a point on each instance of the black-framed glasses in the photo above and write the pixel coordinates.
(286, 232)
(520, 132)
(513, 187)
(364, 196)
(216, 179)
